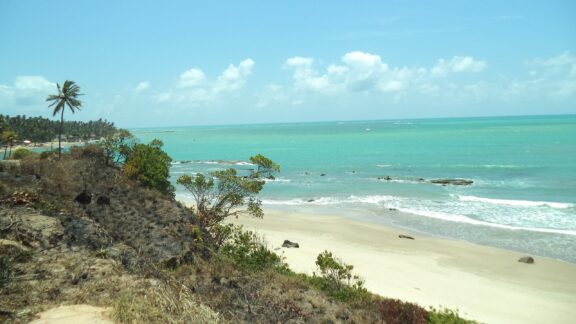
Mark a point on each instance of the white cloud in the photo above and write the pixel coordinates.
(193, 86)
(142, 86)
(357, 72)
(458, 64)
(34, 83)
(234, 78)
(30, 91)
(191, 78)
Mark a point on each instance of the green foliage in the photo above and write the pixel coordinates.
(117, 146)
(224, 193)
(337, 279)
(247, 250)
(265, 167)
(8, 138)
(22, 153)
(150, 165)
(445, 316)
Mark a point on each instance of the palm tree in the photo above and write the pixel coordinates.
(67, 96)
(8, 138)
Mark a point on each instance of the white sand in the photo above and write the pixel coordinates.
(73, 314)
(483, 283)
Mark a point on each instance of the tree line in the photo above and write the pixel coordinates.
(39, 129)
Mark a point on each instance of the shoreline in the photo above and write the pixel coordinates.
(484, 283)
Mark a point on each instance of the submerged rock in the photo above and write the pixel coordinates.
(405, 237)
(454, 182)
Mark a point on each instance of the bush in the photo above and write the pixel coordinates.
(246, 249)
(445, 316)
(337, 280)
(21, 153)
(150, 165)
(394, 311)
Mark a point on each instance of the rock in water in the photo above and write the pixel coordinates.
(526, 259)
(454, 182)
(406, 237)
(289, 244)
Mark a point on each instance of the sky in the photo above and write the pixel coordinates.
(176, 63)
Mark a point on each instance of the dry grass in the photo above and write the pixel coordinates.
(160, 304)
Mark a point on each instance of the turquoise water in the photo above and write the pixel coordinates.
(523, 168)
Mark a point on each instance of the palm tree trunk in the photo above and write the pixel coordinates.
(5, 151)
(10, 152)
(60, 133)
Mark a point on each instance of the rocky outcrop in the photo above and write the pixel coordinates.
(405, 237)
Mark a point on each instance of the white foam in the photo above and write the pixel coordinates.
(516, 203)
(468, 220)
(278, 180)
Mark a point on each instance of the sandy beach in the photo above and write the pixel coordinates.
(484, 283)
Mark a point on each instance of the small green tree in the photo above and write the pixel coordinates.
(8, 138)
(150, 165)
(337, 279)
(265, 168)
(225, 193)
(117, 146)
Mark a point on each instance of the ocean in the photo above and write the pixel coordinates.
(523, 169)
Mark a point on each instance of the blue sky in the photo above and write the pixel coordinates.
(152, 63)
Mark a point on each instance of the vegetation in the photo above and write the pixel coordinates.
(225, 193)
(8, 138)
(67, 96)
(248, 250)
(21, 153)
(337, 279)
(39, 130)
(117, 146)
(150, 165)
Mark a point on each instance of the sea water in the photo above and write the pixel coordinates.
(523, 169)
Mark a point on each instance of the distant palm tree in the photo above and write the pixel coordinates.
(67, 96)
(8, 137)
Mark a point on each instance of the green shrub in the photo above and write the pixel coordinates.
(337, 279)
(445, 316)
(150, 165)
(246, 249)
(21, 153)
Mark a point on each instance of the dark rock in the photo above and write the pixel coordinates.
(455, 182)
(392, 209)
(83, 198)
(406, 237)
(289, 244)
(526, 259)
(387, 178)
(103, 200)
(310, 200)
(323, 174)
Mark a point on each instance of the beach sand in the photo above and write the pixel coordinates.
(484, 283)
